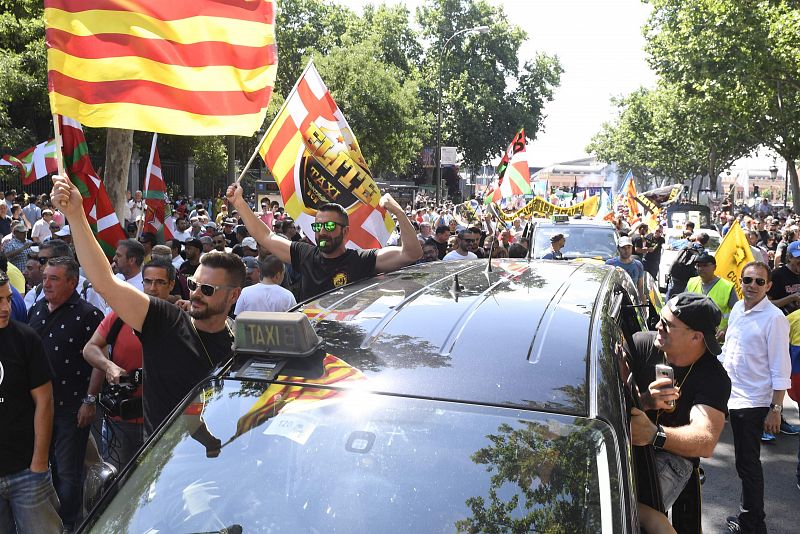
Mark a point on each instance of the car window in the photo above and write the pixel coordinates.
(582, 241)
(291, 458)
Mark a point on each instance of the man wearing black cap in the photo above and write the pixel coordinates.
(557, 242)
(193, 248)
(756, 357)
(685, 417)
(722, 292)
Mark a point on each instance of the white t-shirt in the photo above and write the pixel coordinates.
(264, 297)
(455, 255)
(41, 229)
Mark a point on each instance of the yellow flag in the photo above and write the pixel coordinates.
(732, 255)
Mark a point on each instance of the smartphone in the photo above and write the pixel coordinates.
(665, 371)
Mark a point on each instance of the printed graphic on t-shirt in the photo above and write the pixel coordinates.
(339, 279)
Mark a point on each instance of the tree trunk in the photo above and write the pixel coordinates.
(790, 164)
(119, 144)
(712, 172)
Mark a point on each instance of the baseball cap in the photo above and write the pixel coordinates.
(624, 241)
(250, 262)
(229, 222)
(64, 231)
(699, 313)
(793, 249)
(22, 228)
(249, 242)
(193, 242)
(705, 257)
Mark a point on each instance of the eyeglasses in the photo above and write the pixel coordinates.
(206, 289)
(747, 280)
(329, 226)
(42, 261)
(156, 282)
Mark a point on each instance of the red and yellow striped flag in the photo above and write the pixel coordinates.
(315, 158)
(205, 67)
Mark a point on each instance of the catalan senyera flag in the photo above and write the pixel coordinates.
(315, 158)
(96, 204)
(732, 255)
(35, 163)
(155, 198)
(199, 67)
(513, 173)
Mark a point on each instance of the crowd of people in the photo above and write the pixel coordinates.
(72, 322)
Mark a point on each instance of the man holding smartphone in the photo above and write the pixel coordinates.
(684, 416)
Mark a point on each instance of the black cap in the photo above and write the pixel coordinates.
(193, 242)
(699, 313)
(705, 257)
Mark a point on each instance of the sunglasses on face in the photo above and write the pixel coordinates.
(747, 280)
(154, 281)
(206, 289)
(329, 226)
(42, 261)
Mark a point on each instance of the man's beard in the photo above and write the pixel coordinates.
(208, 311)
(331, 243)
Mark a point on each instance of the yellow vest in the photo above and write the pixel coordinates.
(720, 293)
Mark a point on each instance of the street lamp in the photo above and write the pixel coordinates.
(442, 52)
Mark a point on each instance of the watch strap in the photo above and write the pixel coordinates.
(660, 439)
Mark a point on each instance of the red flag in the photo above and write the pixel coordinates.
(96, 203)
(155, 197)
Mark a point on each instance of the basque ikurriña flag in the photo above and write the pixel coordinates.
(315, 158)
(96, 204)
(513, 173)
(35, 163)
(155, 198)
(199, 67)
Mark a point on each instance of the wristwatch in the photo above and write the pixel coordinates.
(660, 439)
(89, 399)
(776, 407)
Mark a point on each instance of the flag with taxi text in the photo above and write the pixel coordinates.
(199, 67)
(155, 198)
(96, 204)
(35, 163)
(732, 255)
(315, 158)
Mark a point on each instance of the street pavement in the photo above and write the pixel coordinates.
(722, 488)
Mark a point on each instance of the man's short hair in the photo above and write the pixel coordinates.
(702, 238)
(517, 251)
(230, 263)
(271, 266)
(58, 247)
(759, 265)
(161, 263)
(3, 278)
(174, 244)
(442, 228)
(133, 249)
(148, 237)
(332, 206)
(71, 267)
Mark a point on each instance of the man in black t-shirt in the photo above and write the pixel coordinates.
(179, 349)
(685, 339)
(785, 291)
(330, 264)
(439, 239)
(655, 244)
(28, 501)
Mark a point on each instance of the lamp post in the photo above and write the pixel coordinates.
(438, 154)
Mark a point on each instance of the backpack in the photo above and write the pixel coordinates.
(684, 266)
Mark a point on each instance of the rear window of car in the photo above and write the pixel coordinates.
(292, 458)
(582, 241)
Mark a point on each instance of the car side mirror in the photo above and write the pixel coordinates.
(99, 478)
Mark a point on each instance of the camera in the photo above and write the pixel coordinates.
(116, 399)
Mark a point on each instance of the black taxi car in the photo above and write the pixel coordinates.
(445, 397)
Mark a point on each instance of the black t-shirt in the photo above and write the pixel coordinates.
(174, 358)
(638, 242)
(656, 244)
(23, 367)
(784, 283)
(188, 269)
(441, 247)
(706, 382)
(320, 274)
(5, 225)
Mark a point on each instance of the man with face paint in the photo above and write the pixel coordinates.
(330, 264)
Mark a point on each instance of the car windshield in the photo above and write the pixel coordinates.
(677, 242)
(292, 458)
(582, 241)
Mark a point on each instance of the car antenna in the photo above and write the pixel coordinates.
(528, 234)
(456, 288)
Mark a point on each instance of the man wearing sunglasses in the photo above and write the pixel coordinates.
(330, 264)
(466, 238)
(179, 349)
(756, 357)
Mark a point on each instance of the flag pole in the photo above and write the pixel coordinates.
(280, 111)
(140, 228)
(59, 154)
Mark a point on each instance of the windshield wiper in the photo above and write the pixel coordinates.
(233, 529)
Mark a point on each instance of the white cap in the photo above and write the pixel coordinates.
(64, 231)
(249, 242)
(624, 241)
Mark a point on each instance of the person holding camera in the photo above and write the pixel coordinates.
(179, 349)
(115, 352)
(684, 415)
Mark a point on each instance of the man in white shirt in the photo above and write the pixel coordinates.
(466, 238)
(175, 248)
(128, 260)
(268, 295)
(756, 357)
(41, 229)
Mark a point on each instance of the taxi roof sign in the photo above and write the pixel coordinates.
(287, 334)
(560, 218)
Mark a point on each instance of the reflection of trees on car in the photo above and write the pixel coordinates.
(548, 470)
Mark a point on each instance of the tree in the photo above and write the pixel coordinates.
(740, 58)
(487, 95)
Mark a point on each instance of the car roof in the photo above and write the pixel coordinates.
(517, 336)
(594, 223)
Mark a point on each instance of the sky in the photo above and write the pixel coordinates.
(600, 46)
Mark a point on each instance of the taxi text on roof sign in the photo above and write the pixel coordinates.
(279, 334)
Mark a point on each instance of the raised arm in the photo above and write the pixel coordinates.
(129, 303)
(392, 258)
(275, 244)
